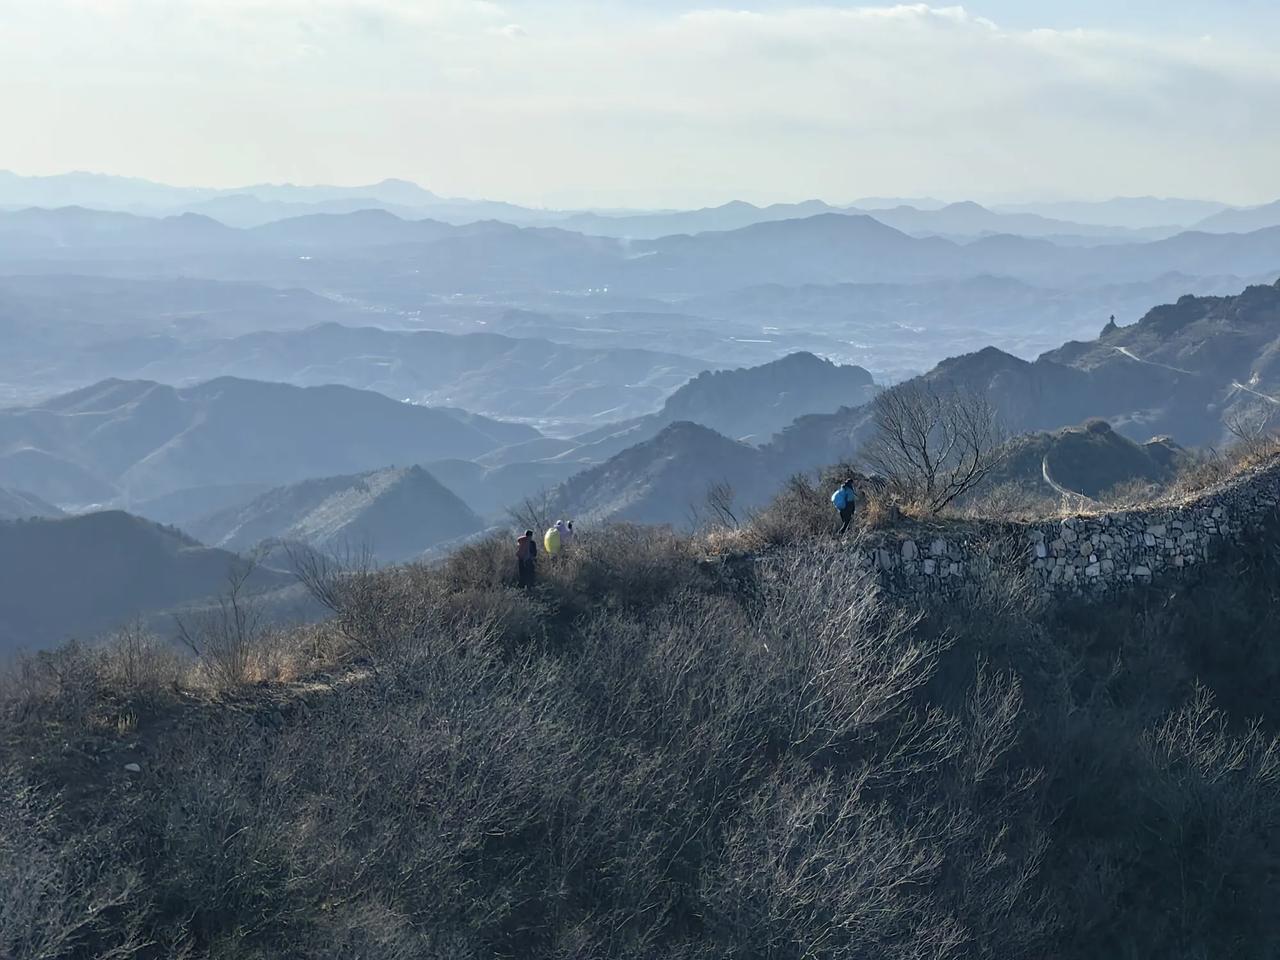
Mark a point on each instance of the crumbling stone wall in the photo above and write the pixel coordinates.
(1088, 556)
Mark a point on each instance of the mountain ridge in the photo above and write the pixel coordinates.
(395, 513)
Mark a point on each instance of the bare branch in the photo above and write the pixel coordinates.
(934, 444)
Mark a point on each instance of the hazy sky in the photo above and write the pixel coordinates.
(653, 102)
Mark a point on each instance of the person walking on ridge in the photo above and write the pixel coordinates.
(845, 500)
(526, 559)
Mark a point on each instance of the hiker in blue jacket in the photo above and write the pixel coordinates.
(845, 500)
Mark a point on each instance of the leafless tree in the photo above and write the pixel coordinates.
(720, 498)
(1253, 426)
(377, 611)
(933, 443)
(223, 636)
(533, 513)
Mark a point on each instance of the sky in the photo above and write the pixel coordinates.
(653, 103)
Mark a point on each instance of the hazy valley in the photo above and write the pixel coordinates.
(265, 453)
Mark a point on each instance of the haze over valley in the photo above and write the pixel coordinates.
(377, 366)
(624, 479)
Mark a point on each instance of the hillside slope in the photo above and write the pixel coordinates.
(1181, 371)
(16, 505)
(664, 479)
(138, 440)
(80, 576)
(704, 755)
(396, 514)
(497, 375)
(1089, 460)
(748, 404)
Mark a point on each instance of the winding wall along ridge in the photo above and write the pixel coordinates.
(1087, 556)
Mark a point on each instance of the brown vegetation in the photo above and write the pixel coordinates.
(654, 752)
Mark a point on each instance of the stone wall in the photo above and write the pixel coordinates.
(1088, 556)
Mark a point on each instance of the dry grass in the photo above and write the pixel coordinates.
(1030, 504)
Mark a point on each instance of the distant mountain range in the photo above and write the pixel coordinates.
(748, 404)
(1135, 213)
(123, 441)
(526, 379)
(256, 204)
(396, 514)
(1178, 372)
(966, 219)
(61, 332)
(249, 205)
(1243, 220)
(80, 576)
(832, 248)
(381, 257)
(17, 505)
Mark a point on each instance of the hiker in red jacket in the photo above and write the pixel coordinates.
(526, 559)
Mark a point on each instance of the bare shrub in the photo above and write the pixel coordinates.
(639, 760)
(63, 684)
(1215, 467)
(1132, 494)
(716, 512)
(376, 611)
(630, 563)
(225, 636)
(140, 666)
(490, 562)
(58, 894)
(1009, 501)
(934, 444)
(1215, 798)
(800, 510)
(1253, 426)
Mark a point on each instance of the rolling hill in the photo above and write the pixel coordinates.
(523, 378)
(396, 514)
(1180, 371)
(663, 479)
(1243, 219)
(137, 440)
(749, 404)
(1090, 460)
(16, 505)
(81, 576)
(375, 255)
